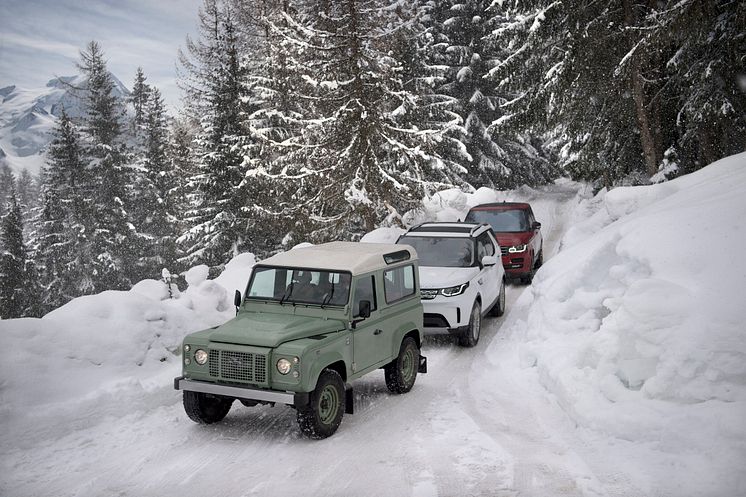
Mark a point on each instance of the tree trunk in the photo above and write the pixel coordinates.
(638, 94)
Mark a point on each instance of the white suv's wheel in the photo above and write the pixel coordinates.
(499, 308)
(471, 336)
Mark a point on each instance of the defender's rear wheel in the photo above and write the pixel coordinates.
(471, 337)
(204, 408)
(401, 373)
(323, 415)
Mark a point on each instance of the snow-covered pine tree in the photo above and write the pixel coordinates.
(7, 183)
(560, 63)
(114, 234)
(156, 180)
(18, 288)
(361, 158)
(500, 158)
(65, 221)
(700, 47)
(27, 193)
(214, 83)
(139, 97)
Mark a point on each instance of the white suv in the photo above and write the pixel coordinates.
(461, 277)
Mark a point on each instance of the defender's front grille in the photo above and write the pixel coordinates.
(240, 366)
(428, 294)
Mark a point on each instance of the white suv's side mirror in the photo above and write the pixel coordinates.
(489, 260)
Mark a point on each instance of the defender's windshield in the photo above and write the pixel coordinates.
(503, 221)
(306, 286)
(442, 251)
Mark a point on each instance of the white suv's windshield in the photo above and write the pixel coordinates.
(503, 221)
(306, 286)
(442, 251)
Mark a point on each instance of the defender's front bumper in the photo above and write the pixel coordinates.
(236, 392)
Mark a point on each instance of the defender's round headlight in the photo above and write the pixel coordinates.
(283, 366)
(200, 356)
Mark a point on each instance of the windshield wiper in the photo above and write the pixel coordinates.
(287, 294)
(329, 296)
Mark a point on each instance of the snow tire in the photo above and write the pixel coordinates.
(471, 336)
(499, 308)
(204, 408)
(401, 373)
(323, 414)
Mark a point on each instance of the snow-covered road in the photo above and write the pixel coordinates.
(470, 427)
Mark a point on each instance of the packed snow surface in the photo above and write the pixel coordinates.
(621, 371)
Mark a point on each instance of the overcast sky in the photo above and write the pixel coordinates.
(40, 39)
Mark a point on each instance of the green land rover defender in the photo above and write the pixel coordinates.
(313, 319)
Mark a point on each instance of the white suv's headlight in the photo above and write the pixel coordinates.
(200, 356)
(283, 366)
(454, 290)
(517, 248)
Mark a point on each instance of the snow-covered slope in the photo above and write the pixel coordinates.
(27, 118)
(637, 327)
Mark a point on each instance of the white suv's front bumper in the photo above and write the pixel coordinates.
(448, 314)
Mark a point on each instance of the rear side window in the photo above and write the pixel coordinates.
(398, 283)
(484, 246)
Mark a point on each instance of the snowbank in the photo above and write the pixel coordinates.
(635, 324)
(96, 344)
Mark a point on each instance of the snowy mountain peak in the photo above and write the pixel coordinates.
(27, 117)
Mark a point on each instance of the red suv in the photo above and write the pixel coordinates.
(517, 232)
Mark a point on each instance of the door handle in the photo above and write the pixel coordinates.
(378, 332)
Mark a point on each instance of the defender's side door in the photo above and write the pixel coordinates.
(370, 337)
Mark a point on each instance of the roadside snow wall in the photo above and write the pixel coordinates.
(638, 324)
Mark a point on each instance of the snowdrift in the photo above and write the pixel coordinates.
(637, 324)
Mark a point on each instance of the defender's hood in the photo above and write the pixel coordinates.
(444, 277)
(270, 330)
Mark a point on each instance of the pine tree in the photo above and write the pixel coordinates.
(497, 158)
(139, 98)
(66, 220)
(366, 152)
(27, 193)
(7, 184)
(157, 181)
(114, 234)
(215, 77)
(17, 291)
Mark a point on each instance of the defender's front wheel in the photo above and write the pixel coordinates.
(401, 373)
(204, 408)
(323, 414)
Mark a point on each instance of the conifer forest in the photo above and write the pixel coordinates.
(317, 120)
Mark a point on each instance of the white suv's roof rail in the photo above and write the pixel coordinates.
(448, 229)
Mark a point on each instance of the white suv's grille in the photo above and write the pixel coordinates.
(428, 294)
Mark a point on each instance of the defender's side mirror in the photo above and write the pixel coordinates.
(237, 300)
(365, 309)
(489, 260)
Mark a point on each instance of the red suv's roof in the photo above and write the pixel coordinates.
(496, 206)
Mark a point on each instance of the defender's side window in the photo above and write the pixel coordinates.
(365, 289)
(398, 283)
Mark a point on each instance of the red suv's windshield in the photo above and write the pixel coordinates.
(502, 221)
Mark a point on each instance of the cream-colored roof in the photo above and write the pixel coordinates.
(355, 257)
